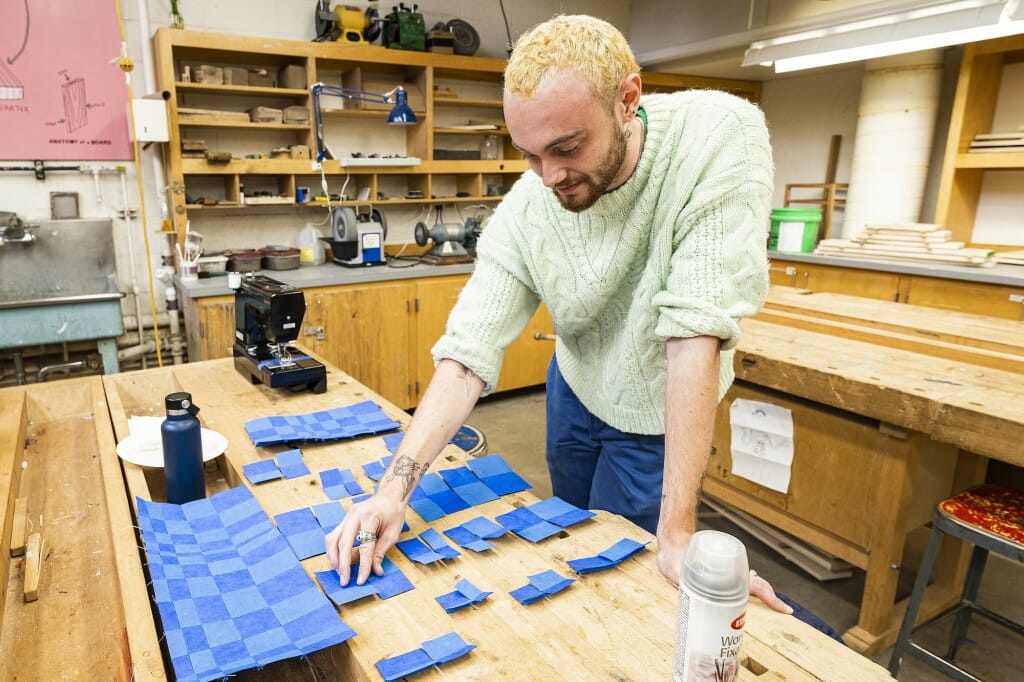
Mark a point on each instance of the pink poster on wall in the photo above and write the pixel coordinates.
(62, 95)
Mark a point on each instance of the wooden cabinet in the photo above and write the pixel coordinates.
(974, 109)
(209, 326)
(995, 300)
(886, 286)
(364, 331)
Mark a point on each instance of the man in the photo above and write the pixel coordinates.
(641, 225)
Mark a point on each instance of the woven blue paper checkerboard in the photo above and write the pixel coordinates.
(333, 424)
(231, 594)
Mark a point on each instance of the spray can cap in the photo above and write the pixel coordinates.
(716, 565)
(180, 401)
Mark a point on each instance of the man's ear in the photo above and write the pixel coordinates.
(629, 95)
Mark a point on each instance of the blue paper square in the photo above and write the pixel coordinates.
(291, 464)
(518, 518)
(261, 471)
(484, 528)
(453, 601)
(329, 515)
(373, 470)
(415, 550)
(428, 510)
(623, 549)
(333, 484)
(447, 648)
(549, 582)
(392, 440)
(559, 512)
(527, 594)
(339, 594)
(404, 665)
(438, 544)
(590, 564)
(303, 532)
(390, 584)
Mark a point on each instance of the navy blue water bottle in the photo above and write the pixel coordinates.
(183, 450)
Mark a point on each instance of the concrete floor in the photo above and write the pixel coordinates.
(513, 425)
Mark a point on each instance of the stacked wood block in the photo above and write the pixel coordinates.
(907, 241)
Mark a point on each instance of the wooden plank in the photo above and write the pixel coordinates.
(973, 408)
(939, 349)
(33, 558)
(925, 323)
(139, 645)
(617, 623)
(18, 529)
(12, 445)
(77, 630)
(816, 564)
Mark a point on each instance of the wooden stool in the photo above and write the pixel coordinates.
(990, 517)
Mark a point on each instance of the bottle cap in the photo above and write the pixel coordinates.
(180, 401)
(716, 565)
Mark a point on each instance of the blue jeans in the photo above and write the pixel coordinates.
(596, 466)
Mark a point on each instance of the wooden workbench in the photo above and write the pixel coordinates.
(895, 407)
(616, 624)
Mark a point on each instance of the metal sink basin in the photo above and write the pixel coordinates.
(61, 287)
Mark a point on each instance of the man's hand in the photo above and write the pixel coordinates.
(672, 550)
(380, 515)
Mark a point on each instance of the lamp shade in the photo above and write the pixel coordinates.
(401, 114)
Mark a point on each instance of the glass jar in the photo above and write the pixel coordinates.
(490, 150)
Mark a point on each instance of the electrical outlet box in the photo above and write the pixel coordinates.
(150, 120)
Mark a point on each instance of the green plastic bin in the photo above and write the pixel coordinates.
(794, 230)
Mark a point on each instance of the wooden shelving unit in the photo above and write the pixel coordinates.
(475, 82)
(974, 108)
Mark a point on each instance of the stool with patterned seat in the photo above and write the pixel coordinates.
(991, 518)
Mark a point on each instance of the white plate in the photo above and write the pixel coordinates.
(150, 453)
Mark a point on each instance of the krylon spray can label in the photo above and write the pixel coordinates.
(714, 584)
(710, 651)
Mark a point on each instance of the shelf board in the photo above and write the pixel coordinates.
(466, 102)
(239, 90)
(463, 131)
(239, 124)
(993, 160)
(331, 167)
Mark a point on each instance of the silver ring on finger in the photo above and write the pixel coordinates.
(366, 537)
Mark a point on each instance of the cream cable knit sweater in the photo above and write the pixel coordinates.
(676, 251)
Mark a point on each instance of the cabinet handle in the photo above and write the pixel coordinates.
(317, 331)
(538, 336)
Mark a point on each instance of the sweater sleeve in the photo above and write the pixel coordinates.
(718, 271)
(492, 310)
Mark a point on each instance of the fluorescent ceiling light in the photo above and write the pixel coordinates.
(938, 25)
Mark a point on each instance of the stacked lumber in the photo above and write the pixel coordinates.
(908, 241)
(998, 142)
(1011, 257)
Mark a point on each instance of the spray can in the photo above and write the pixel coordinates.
(183, 450)
(714, 585)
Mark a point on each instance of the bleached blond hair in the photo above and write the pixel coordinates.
(589, 46)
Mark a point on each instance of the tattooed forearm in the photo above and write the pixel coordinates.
(408, 471)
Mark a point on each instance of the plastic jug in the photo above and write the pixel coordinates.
(311, 249)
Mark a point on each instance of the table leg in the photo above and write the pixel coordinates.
(108, 351)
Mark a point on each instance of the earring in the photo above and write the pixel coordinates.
(627, 131)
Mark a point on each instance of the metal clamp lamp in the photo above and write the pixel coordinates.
(400, 114)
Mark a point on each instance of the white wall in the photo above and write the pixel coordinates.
(803, 113)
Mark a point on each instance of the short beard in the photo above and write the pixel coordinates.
(605, 172)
